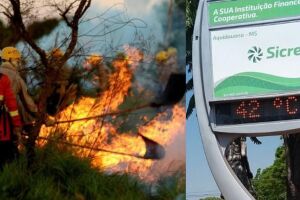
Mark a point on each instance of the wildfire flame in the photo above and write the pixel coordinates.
(101, 134)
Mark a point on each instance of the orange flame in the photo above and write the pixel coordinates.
(101, 134)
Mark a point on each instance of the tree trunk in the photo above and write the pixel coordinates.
(292, 144)
(33, 131)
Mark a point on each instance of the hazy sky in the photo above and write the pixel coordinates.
(111, 14)
(141, 9)
(135, 6)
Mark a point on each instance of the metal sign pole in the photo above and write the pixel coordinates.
(227, 181)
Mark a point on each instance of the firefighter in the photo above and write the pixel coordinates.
(167, 63)
(10, 122)
(11, 64)
(28, 110)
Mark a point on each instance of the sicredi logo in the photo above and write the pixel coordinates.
(255, 54)
(277, 52)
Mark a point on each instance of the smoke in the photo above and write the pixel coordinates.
(174, 158)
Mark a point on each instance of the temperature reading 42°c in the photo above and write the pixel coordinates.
(258, 110)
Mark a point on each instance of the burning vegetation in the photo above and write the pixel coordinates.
(86, 125)
(103, 123)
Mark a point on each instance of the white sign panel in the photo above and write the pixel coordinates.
(256, 60)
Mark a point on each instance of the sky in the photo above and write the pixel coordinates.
(134, 6)
(107, 16)
(141, 9)
(200, 182)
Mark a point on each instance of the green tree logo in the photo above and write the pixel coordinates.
(255, 54)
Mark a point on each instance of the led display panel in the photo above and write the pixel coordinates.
(257, 110)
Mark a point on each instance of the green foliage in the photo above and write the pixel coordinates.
(60, 175)
(57, 174)
(171, 187)
(270, 184)
(191, 11)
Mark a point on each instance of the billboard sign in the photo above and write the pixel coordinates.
(256, 60)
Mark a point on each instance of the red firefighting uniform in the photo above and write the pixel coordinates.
(9, 117)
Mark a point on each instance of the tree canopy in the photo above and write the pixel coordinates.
(270, 183)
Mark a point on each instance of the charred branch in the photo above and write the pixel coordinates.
(154, 151)
(74, 24)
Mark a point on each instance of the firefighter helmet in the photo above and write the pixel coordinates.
(161, 56)
(10, 53)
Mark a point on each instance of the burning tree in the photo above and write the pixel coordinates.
(82, 103)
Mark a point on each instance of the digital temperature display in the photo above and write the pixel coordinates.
(257, 110)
